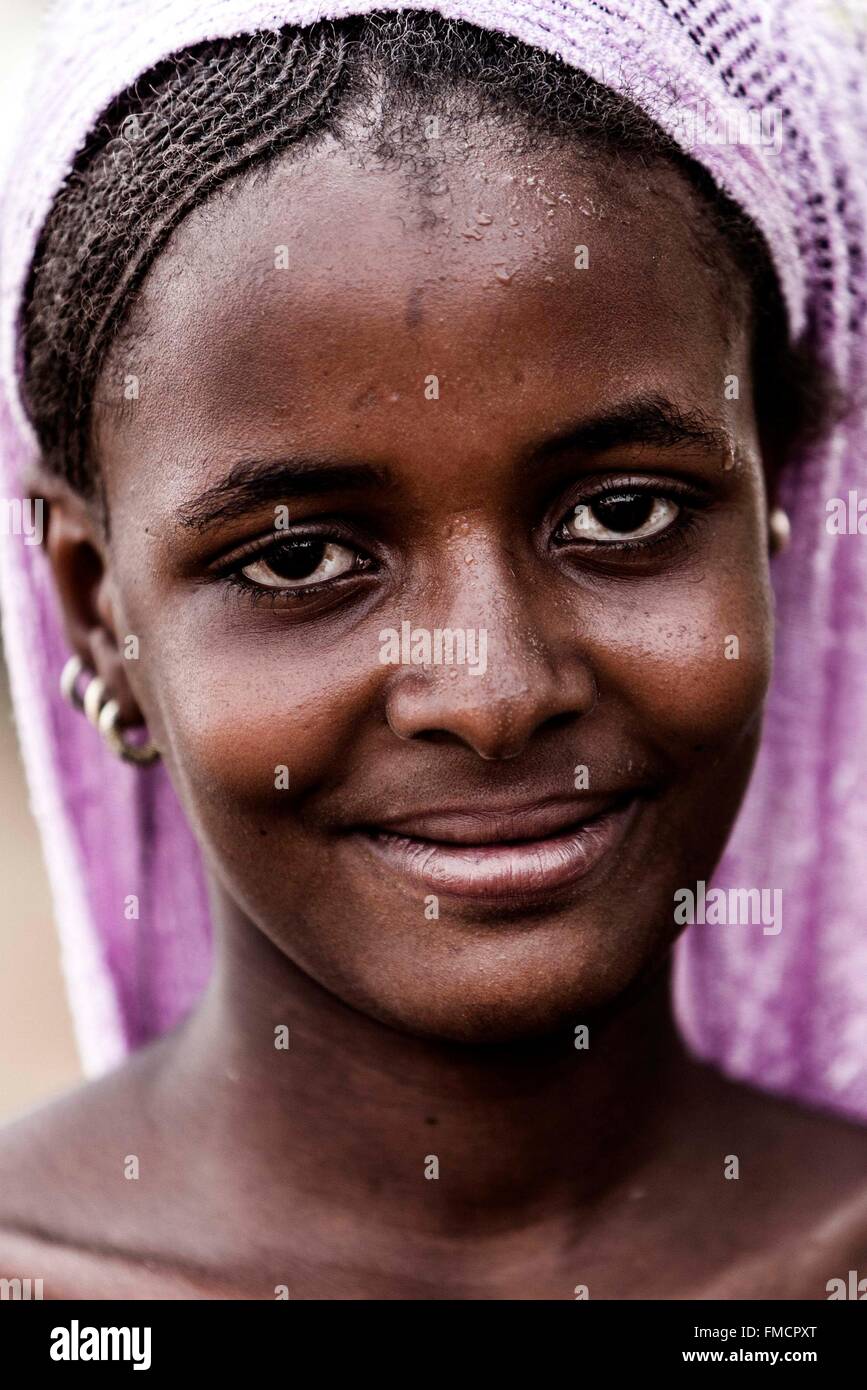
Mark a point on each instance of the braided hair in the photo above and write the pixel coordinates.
(217, 109)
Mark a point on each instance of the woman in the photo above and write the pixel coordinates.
(416, 418)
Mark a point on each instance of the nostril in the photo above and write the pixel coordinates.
(495, 719)
(562, 720)
(431, 736)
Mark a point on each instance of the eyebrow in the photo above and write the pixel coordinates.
(646, 419)
(257, 482)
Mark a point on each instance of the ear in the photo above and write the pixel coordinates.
(76, 544)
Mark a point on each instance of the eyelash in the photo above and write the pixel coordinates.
(671, 538)
(690, 502)
(260, 593)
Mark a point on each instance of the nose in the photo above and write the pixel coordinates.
(533, 676)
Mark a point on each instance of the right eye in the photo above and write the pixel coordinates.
(627, 514)
(306, 562)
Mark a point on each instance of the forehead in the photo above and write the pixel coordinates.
(315, 300)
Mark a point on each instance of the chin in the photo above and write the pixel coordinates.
(506, 986)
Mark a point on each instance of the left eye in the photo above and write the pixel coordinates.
(618, 516)
(299, 563)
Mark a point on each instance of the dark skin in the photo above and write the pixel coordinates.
(454, 1037)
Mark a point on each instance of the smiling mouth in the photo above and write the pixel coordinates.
(469, 855)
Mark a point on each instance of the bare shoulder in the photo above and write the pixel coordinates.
(802, 1182)
(65, 1193)
(61, 1153)
(72, 1223)
(40, 1267)
(788, 1131)
(826, 1144)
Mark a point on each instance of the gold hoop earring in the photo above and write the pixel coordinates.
(143, 754)
(102, 712)
(779, 529)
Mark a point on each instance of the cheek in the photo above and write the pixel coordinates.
(693, 660)
(233, 715)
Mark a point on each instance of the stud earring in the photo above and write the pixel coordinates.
(103, 712)
(779, 529)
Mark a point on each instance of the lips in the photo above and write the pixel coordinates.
(506, 854)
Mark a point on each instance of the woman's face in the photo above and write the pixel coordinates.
(363, 403)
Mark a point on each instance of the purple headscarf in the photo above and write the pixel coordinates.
(769, 96)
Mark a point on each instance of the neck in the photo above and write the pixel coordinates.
(351, 1112)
